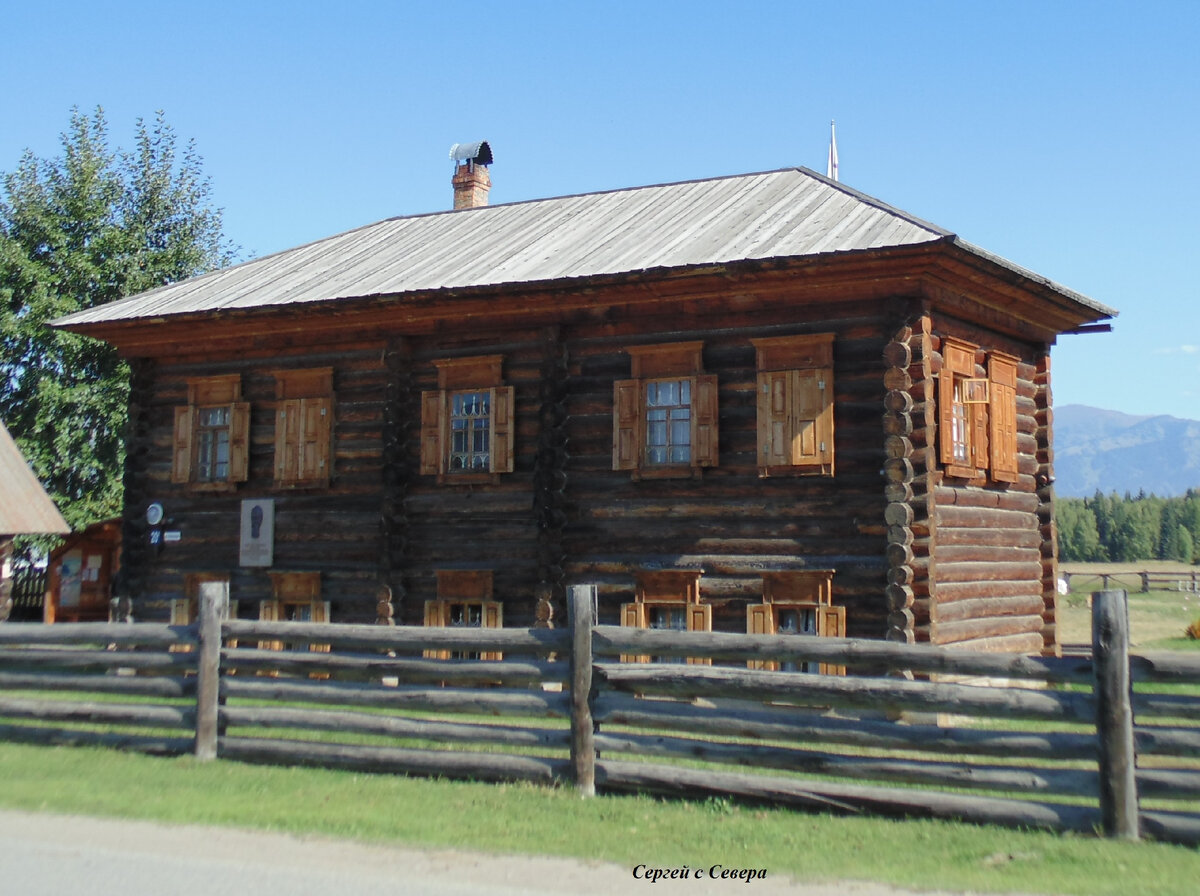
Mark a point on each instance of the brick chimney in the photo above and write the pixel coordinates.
(471, 180)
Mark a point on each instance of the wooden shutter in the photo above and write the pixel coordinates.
(831, 623)
(700, 619)
(946, 417)
(287, 440)
(704, 421)
(760, 620)
(270, 611)
(315, 437)
(503, 425)
(812, 418)
(493, 617)
(432, 454)
(239, 441)
(634, 616)
(181, 456)
(1002, 374)
(774, 420)
(435, 617)
(627, 416)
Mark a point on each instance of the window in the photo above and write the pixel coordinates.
(303, 427)
(665, 417)
(464, 601)
(467, 423)
(296, 597)
(211, 441)
(977, 414)
(668, 600)
(797, 603)
(795, 405)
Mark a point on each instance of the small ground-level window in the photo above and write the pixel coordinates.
(797, 602)
(464, 601)
(296, 598)
(668, 600)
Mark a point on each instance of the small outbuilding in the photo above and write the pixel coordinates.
(25, 509)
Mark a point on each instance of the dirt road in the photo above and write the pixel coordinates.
(49, 855)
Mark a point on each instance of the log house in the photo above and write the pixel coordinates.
(683, 394)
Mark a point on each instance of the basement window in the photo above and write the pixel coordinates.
(464, 601)
(668, 600)
(797, 603)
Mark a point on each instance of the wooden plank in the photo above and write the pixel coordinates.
(740, 719)
(100, 660)
(841, 798)
(615, 640)
(143, 686)
(103, 713)
(1057, 781)
(394, 726)
(403, 638)
(860, 693)
(214, 606)
(482, 701)
(81, 634)
(473, 766)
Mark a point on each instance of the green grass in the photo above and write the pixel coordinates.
(525, 819)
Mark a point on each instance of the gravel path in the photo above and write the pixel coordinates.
(49, 855)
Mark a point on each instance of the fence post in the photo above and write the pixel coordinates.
(214, 605)
(583, 744)
(1114, 714)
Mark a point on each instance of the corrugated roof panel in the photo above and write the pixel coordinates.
(778, 214)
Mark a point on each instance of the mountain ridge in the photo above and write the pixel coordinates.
(1112, 451)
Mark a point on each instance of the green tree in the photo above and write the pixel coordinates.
(88, 227)
(1078, 539)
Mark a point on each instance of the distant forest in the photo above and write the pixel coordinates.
(1135, 527)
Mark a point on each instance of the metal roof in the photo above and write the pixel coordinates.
(25, 508)
(790, 213)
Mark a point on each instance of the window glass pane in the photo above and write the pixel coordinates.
(470, 428)
(212, 444)
(668, 422)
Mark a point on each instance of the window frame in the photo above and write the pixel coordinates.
(304, 410)
(459, 376)
(295, 589)
(652, 365)
(800, 591)
(987, 449)
(211, 393)
(666, 589)
(466, 588)
(795, 401)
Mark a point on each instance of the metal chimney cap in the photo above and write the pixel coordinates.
(479, 152)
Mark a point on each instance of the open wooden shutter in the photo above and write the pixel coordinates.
(287, 440)
(432, 454)
(812, 419)
(978, 416)
(315, 439)
(831, 623)
(181, 455)
(627, 414)
(760, 620)
(704, 421)
(270, 611)
(699, 619)
(946, 418)
(774, 420)
(493, 617)
(1002, 376)
(239, 441)
(634, 616)
(435, 617)
(503, 425)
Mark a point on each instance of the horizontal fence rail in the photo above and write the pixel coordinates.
(1110, 741)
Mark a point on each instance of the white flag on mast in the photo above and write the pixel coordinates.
(831, 167)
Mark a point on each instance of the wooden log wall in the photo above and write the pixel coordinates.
(729, 522)
(987, 569)
(335, 530)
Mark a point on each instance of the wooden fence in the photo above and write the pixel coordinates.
(910, 731)
(1188, 581)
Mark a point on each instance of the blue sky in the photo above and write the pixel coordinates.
(1064, 136)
